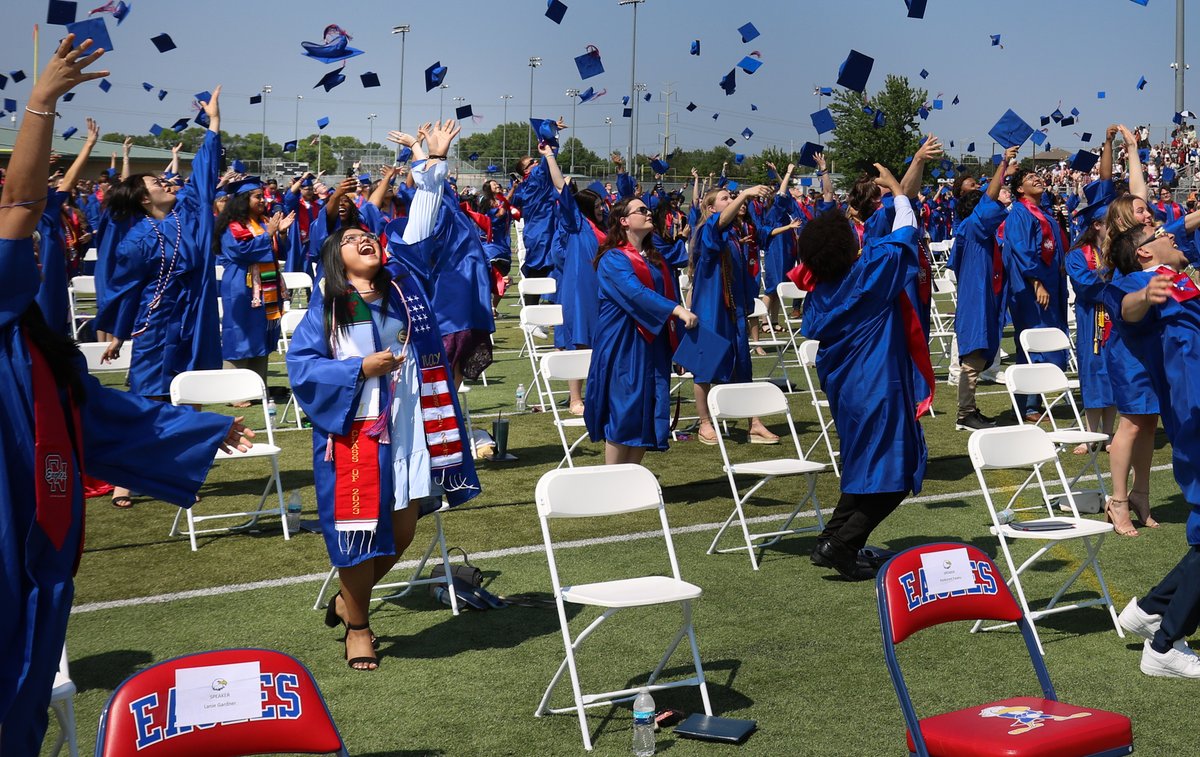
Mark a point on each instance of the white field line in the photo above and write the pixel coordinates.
(273, 583)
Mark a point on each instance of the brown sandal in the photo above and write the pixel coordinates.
(1140, 502)
(1116, 512)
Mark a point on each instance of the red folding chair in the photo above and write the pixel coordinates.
(139, 718)
(1017, 727)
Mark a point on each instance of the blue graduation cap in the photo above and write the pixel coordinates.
(1075, 112)
(67, 97)
(1168, 175)
(1141, 83)
(120, 11)
(924, 74)
(162, 93)
(627, 113)
(369, 79)
(748, 32)
(753, 106)
(322, 122)
(18, 76)
(335, 47)
(202, 97)
(702, 350)
(695, 47)
(1100, 95)
(880, 119)
(749, 64)
(4, 81)
(93, 29)
(807, 152)
(404, 155)
(996, 40)
(290, 145)
(659, 166)
(70, 132)
(937, 104)
(1144, 154)
(1010, 130)
(1086, 137)
(434, 75)
(473, 157)
(61, 13)
(971, 147)
(555, 10)
(1044, 121)
(916, 8)
(729, 81)
(255, 99)
(625, 100)
(331, 79)
(105, 85)
(179, 125)
(996, 159)
(823, 121)
(147, 86)
(1038, 137)
(1141, 2)
(955, 101)
(10, 104)
(493, 168)
(1099, 194)
(546, 130)
(936, 173)
(716, 116)
(746, 133)
(691, 107)
(738, 158)
(855, 71)
(1068, 121)
(596, 188)
(589, 63)
(923, 112)
(1084, 160)
(163, 42)
(1057, 115)
(646, 97)
(238, 167)
(730, 142)
(826, 91)
(463, 112)
(155, 129)
(588, 94)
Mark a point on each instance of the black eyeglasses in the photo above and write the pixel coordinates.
(642, 210)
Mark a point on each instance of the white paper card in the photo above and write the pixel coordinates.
(218, 694)
(947, 570)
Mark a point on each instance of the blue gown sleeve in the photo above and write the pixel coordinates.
(19, 279)
(124, 297)
(620, 284)
(889, 262)
(327, 389)
(625, 185)
(1087, 283)
(372, 218)
(1183, 240)
(675, 253)
(568, 212)
(201, 188)
(247, 252)
(291, 201)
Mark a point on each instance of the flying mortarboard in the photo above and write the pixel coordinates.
(691, 106)
(730, 142)
(555, 10)
(826, 91)
(1100, 95)
(71, 96)
(147, 86)
(1010, 130)
(1086, 137)
(334, 49)
(937, 104)
(1075, 112)
(916, 8)
(855, 71)
(70, 132)
(202, 97)
(1057, 115)
(807, 152)
(255, 99)
(105, 85)
(646, 97)
(331, 79)
(180, 125)
(1141, 2)
(753, 106)
(1168, 175)
(1044, 121)
(473, 157)
(627, 113)
(10, 104)
(18, 76)
(162, 93)
(748, 32)
(1084, 160)
(746, 133)
(238, 167)
(716, 116)
(924, 74)
(93, 29)
(546, 130)
(996, 40)
(290, 145)
(936, 173)
(738, 158)
(971, 147)
(955, 101)
(322, 122)
(695, 47)
(61, 13)
(434, 75)
(155, 129)
(880, 119)
(369, 79)
(1068, 121)
(589, 64)
(749, 64)
(923, 112)
(659, 166)
(590, 94)
(404, 155)
(163, 42)
(729, 82)
(1039, 137)
(4, 81)
(463, 112)
(823, 121)
(1141, 83)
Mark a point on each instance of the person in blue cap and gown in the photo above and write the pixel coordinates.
(301, 199)
(535, 199)
(341, 212)
(60, 423)
(500, 212)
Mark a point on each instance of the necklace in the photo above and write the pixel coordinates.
(165, 270)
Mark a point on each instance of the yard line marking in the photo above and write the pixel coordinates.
(215, 591)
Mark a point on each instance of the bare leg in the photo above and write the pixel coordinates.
(404, 527)
(576, 387)
(356, 582)
(706, 431)
(1143, 455)
(615, 454)
(1121, 456)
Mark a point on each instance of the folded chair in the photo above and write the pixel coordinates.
(1024, 726)
(62, 702)
(1028, 447)
(808, 362)
(594, 492)
(140, 717)
(567, 365)
(732, 401)
(220, 387)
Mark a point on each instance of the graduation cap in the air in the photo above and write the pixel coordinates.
(10, 104)
(971, 147)
(627, 113)
(753, 106)
(1168, 175)
(716, 116)
(546, 130)
(916, 8)
(555, 10)
(105, 85)
(1068, 121)
(434, 75)
(71, 96)
(880, 119)
(1044, 121)
(589, 63)
(493, 168)
(855, 71)
(923, 112)
(1010, 130)
(334, 49)
(1141, 83)
(473, 157)
(826, 91)
(155, 129)
(163, 42)
(4, 82)
(290, 145)
(695, 47)
(823, 121)
(70, 132)
(646, 97)
(61, 13)
(1100, 95)
(18, 76)
(1057, 115)
(322, 122)
(331, 79)
(463, 112)
(255, 99)
(807, 154)
(748, 32)
(1075, 112)
(93, 29)
(1084, 160)
(936, 173)
(729, 81)
(201, 119)
(1085, 137)
(924, 74)
(691, 106)
(590, 94)
(747, 133)
(659, 166)
(162, 93)
(202, 97)
(180, 125)
(369, 79)
(996, 40)
(955, 101)
(730, 142)
(238, 167)
(749, 64)
(404, 154)
(119, 10)
(1039, 137)
(738, 158)
(147, 86)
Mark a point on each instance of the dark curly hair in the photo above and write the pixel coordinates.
(1016, 180)
(1122, 250)
(864, 196)
(966, 204)
(828, 247)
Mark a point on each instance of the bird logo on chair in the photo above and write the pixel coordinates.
(1025, 719)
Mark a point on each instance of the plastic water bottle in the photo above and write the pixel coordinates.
(520, 398)
(643, 724)
(271, 410)
(1006, 516)
(293, 512)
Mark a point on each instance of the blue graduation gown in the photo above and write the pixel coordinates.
(628, 398)
(712, 245)
(152, 447)
(535, 198)
(1094, 382)
(298, 257)
(500, 248)
(1166, 342)
(866, 370)
(245, 330)
(182, 333)
(780, 249)
(979, 317)
(577, 287)
(52, 295)
(1023, 264)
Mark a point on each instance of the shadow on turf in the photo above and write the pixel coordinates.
(107, 670)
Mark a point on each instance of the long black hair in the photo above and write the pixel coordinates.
(124, 199)
(615, 236)
(237, 208)
(336, 300)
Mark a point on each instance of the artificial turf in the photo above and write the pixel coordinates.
(789, 646)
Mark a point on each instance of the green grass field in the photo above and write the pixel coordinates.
(789, 646)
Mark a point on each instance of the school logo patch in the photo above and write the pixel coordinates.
(1026, 719)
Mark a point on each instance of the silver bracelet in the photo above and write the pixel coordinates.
(39, 112)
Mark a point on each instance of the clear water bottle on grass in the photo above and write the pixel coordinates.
(293, 512)
(643, 724)
(271, 410)
(520, 398)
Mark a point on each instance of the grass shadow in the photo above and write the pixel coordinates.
(105, 671)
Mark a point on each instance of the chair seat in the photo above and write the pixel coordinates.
(1076, 437)
(1083, 527)
(784, 467)
(631, 592)
(1072, 383)
(1024, 727)
(258, 450)
(572, 422)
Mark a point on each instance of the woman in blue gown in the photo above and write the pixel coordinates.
(495, 203)
(60, 423)
(628, 390)
(535, 199)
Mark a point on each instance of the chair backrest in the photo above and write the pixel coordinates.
(566, 365)
(297, 280)
(789, 291)
(545, 285)
(943, 246)
(91, 256)
(291, 319)
(1035, 378)
(808, 352)
(595, 491)
(760, 309)
(84, 285)
(1010, 447)
(219, 387)
(746, 400)
(542, 315)
(219, 270)
(140, 717)
(93, 351)
(943, 285)
(1045, 340)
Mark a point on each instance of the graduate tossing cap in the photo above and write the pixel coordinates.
(546, 130)
(93, 29)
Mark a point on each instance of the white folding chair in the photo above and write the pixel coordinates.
(535, 317)
(93, 351)
(612, 490)
(1028, 447)
(62, 702)
(1047, 380)
(770, 342)
(297, 280)
(81, 299)
(415, 579)
(747, 401)
(287, 326)
(1034, 341)
(685, 288)
(808, 362)
(219, 387)
(566, 365)
(91, 256)
(789, 292)
(219, 270)
(538, 285)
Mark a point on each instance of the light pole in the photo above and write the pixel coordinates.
(638, 89)
(441, 98)
(609, 123)
(504, 133)
(632, 73)
(296, 137)
(402, 30)
(1179, 64)
(371, 131)
(262, 156)
(573, 94)
(534, 62)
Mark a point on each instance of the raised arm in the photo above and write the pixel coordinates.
(380, 191)
(997, 182)
(826, 179)
(173, 166)
(1106, 154)
(695, 185)
(125, 149)
(76, 170)
(787, 180)
(430, 178)
(555, 171)
(910, 185)
(1137, 177)
(762, 192)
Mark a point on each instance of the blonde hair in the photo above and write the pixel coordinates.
(1119, 218)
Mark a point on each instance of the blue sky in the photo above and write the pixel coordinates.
(244, 44)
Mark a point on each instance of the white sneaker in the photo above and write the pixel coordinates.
(1175, 663)
(1137, 621)
(539, 333)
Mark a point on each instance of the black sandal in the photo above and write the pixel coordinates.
(354, 662)
(122, 502)
(333, 620)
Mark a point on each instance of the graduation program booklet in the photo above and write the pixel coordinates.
(713, 728)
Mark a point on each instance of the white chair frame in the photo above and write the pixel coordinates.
(539, 285)
(93, 351)
(731, 401)
(612, 490)
(221, 386)
(62, 702)
(808, 362)
(1021, 447)
(294, 280)
(545, 317)
(566, 365)
(770, 342)
(81, 289)
(1037, 341)
(788, 291)
(287, 326)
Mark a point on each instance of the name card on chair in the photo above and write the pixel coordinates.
(947, 570)
(218, 694)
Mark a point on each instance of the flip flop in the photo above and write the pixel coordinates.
(122, 503)
(480, 593)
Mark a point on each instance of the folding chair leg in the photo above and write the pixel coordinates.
(320, 603)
